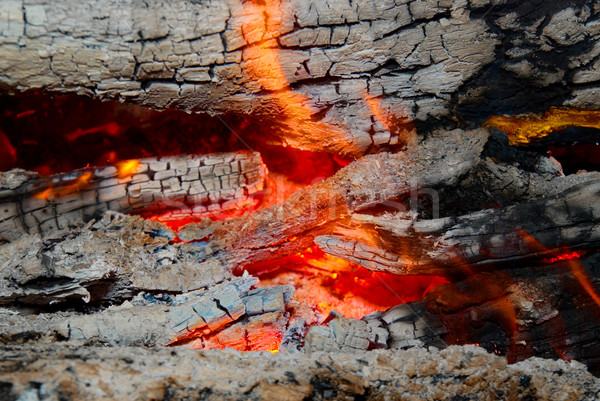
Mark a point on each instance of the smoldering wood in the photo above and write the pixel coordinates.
(370, 181)
(448, 162)
(293, 64)
(544, 310)
(168, 188)
(533, 310)
(195, 315)
(263, 235)
(449, 165)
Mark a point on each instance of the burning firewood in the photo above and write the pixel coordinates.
(167, 188)
(419, 230)
(368, 182)
(195, 316)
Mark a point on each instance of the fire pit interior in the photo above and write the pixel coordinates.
(398, 198)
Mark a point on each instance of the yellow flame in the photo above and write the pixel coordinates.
(128, 168)
(526, 128)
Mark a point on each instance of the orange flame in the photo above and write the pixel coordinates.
(394, 119)
(527, 128)
(44, 195)
(262, 60)
(272, 69)
(574, 264)
(75, 185)
(584, 280)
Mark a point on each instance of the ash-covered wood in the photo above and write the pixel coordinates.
(401, 327)
(168, 187)
(345, 76)
(198, 316)
(136, 373)
(109, 260)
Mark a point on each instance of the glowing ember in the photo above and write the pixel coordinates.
(527, 128)
(325, 283)
(8, 153)
(111, 128)
(564, 256)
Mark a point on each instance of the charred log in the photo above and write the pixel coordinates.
(297, 60)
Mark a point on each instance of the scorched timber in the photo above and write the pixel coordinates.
(528, 230)
(169, 188)
(336, 75)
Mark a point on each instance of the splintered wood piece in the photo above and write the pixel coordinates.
(168, 188)
(111, 260)
(569, 220)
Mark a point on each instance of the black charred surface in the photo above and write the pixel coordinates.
(496, 90)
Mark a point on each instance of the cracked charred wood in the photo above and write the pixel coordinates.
(440, 160)
(469, 372)
(168, 187)
(110, 260)
(401, 327)
(208, 318)
(344, 76)
(528, 230)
